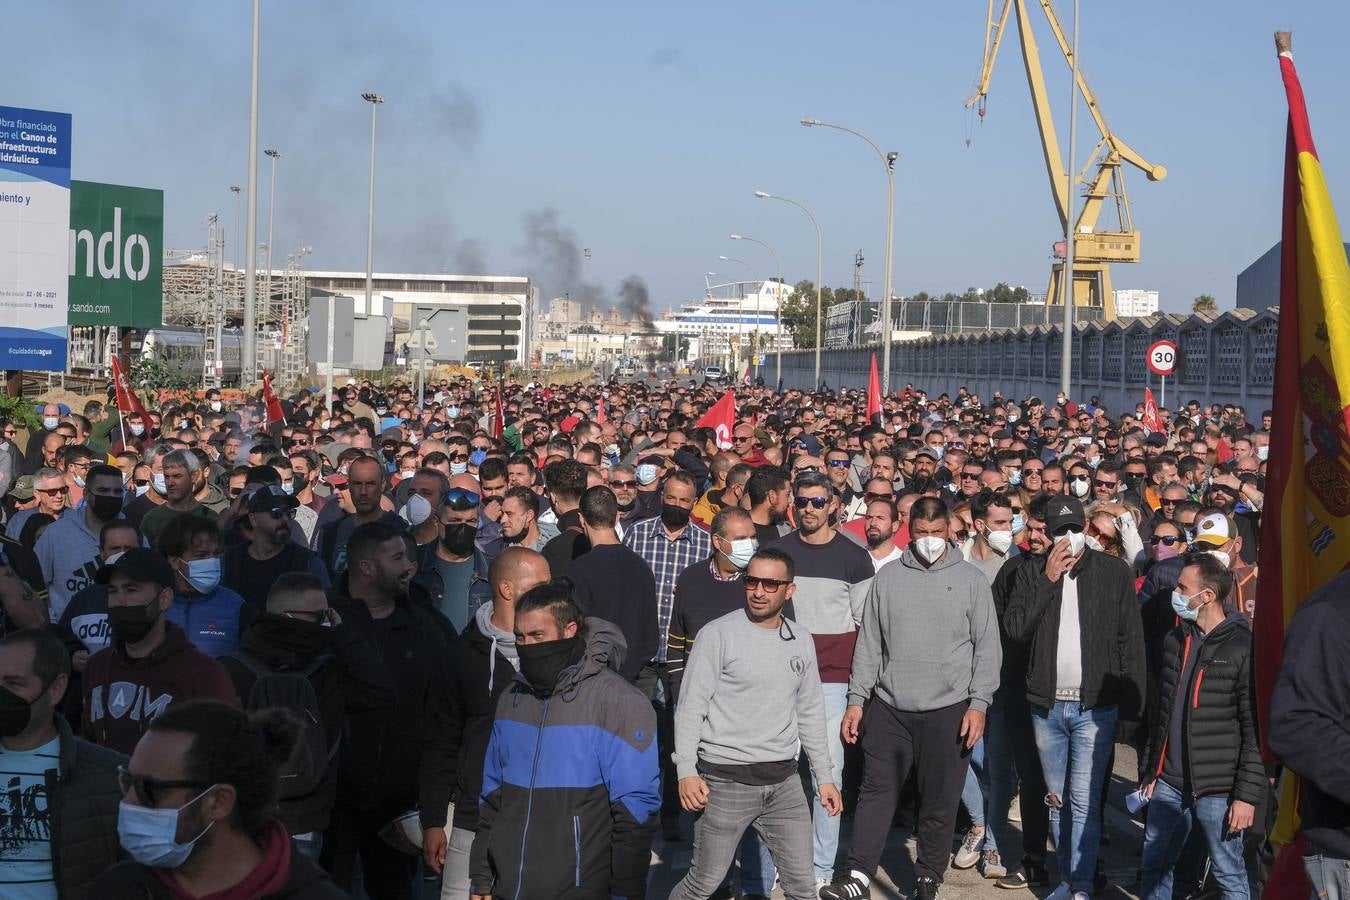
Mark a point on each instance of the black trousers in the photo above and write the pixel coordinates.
(1016, 713)
(893, 743)
(352, 834)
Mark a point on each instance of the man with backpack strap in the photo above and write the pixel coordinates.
(300, 655)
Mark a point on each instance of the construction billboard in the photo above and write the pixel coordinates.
(116, 255)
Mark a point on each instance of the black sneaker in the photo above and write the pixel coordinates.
(926, 889)
(848, 889)
(1032, 874)
(725, 892)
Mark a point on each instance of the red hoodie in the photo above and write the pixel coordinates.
(269, 877)
(122, 695)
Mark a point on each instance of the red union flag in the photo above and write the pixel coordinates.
(270, 401)
(873, 394)
(1305, 525)
(499, 417)
(127, 401)
(721, 418)
(1153, 422)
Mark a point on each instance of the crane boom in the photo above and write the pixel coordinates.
(1092, 247)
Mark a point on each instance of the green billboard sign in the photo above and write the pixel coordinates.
(116, 255)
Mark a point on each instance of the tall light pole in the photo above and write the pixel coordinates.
(238, 223)
(273, 155)
(248, 346)
(778, 317)
(374, 100)
(1066, 352)
(820, 265)
(888, 160)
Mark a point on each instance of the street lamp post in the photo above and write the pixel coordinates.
(779, 316)
(374, 100)
(754, 279)
(888, 160)
(238, 223)
(273, 155)
(820, 265)
(248, 346)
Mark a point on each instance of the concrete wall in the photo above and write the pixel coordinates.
(1228, 358)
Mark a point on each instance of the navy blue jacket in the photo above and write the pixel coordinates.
(571, 785)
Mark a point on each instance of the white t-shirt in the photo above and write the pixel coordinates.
(889, 557)
(1069, 649)
(26, 828)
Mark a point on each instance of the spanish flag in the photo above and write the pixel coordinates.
(1305, 530)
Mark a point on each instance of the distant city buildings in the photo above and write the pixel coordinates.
(1136, 304)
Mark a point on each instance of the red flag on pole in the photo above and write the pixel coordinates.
(600, 409)
(270, 402)
(873, 394)
(127, 401)
(745, 378)
(1153, 422)
(721, 418)
(499, 418)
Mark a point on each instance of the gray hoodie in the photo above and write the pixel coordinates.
(929, 636)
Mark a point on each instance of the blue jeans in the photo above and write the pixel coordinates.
(1075, 745)
(973, 791)
(824, 827)
(1170, 817)
(1330, 875)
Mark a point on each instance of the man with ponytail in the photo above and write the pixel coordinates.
(198, 811)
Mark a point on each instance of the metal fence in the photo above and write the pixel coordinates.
(1229, 358)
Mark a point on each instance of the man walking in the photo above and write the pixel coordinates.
(1207, 710)
(1086, 671)
(751, 697)
(926, 666)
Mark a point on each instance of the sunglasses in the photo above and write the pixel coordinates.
(60, 490)
(1081, 478)
(461, 498)
(838, 463)
(1029, 473)
(816, 502)
(142, 482)
(1100, 483)
(150, 789)
(623, 483)
(960, 536)
(280, 513)
(970, 476)
(1168, 501)
(770, 585)
(872, 497)
(1066, 529)
(1168, 539)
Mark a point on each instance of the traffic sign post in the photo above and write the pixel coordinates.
(1162, 361)
(423, 341)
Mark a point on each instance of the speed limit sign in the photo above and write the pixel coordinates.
(1162, 358)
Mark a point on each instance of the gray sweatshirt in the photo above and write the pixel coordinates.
(929, 637)
(751, 695)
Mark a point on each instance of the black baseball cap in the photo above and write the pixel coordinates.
(140, 564)
(271, 498)
(1062, 511)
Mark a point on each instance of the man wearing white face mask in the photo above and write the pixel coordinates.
(198, 814)
(213, 616)
(926, 667)
(1085, 672)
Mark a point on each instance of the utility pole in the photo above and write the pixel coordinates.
(374, 100)
(248, 357)
(273, 155)
(1066, 282)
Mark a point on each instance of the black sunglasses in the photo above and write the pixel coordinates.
(149, 789)
(461, 498)
(817, 502)
(770, 585)
(1168, 539)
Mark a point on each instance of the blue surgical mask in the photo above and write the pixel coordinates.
(1015, 479)
(646, 473)
(741, 552)
(1018, 523)
(476, 457)
(50, 423)
(161, 487)
(79, 481)
(203, 574)
(458, 468)
(147, 834)
(1181, 605)
(453, 412)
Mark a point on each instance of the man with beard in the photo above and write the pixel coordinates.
(300, 634)
(882, 521)
(250, 569)
(623, 482)
(390, 748)
(150, 664)
(520, 522)
(365, 486)
(483, 665)
(453, 570)
(565, 480)
(769, 495)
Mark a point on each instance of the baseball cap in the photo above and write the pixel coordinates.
(271, 498)
(140, 564)
(1063, 511)
(23, 488)
(928, 452)
(569, 423)
(1215, 529)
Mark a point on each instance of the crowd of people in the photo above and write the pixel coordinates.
(501, 636)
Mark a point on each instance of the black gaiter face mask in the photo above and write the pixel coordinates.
(541, 663)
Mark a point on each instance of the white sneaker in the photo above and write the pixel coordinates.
(969, 853)
(1081, 895)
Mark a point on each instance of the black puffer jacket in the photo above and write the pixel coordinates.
(83, 804)
(1112, 636)
(1221, 754)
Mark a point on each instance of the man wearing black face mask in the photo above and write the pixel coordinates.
(69, 555)
(453, 571)
(589, 808)
(301, 634)
(61, 793)
(150, 664)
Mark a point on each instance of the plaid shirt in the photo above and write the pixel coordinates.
(668, 558)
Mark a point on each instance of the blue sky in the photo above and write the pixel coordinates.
(641, 131)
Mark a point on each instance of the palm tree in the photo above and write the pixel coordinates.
(1205, 304)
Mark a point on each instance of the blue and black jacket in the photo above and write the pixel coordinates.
(571, 785)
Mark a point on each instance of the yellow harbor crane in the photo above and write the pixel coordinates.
(1094, 250)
